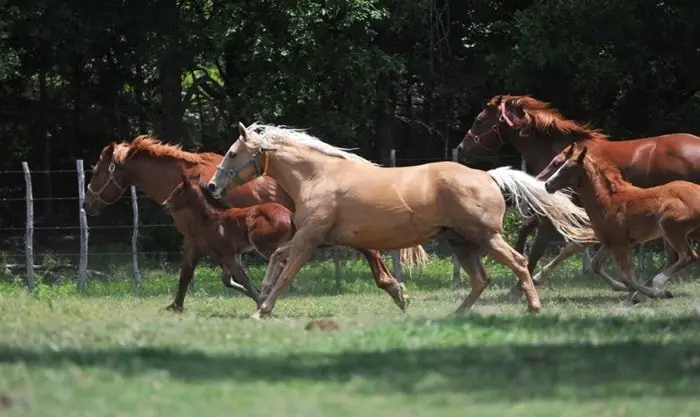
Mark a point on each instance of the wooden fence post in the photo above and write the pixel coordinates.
(395, 256)
(29, 235)
(134, 239)
(82, 268)
(456, 279)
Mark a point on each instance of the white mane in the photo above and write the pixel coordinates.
(272, 134)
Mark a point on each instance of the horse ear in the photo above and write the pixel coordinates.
(109, 150)
(243, 132)
(582, 154)
(569, 150)
(183, 178)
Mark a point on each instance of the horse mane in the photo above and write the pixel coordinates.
(152, 146)
(279, 134)
(544, 119)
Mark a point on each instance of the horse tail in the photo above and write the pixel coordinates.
(413, 256)
(569, 219)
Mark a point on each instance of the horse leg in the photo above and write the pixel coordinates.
(672, 255)
(300, 250)
(686, 256)
(597, 267)
(274, 268)
(529, 224)
(502, 253)
(235, 265)
(571, 249)
(469, 256)
(384, 279)
(227, 279)
(545, 234)
(622, 259)
(190, 257)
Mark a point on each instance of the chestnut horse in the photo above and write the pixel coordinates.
(624, 215)
(156, 167)
(229, 232)
(341, 198)
(539, 132)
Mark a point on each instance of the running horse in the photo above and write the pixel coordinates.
(539, 132)
(624, 215)
(341, 198)
(156, 168)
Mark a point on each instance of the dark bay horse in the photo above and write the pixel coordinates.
(539, 132)
(624, 215)
(155, 167)
(228, 232)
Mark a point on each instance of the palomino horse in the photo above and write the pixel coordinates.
(156, 167)
(229, 232)
(539, 132)
(624, 215)
(341, 198)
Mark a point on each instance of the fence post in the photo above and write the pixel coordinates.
(82, 268)
(395, 256)
(456, 279)
(134, 239)
(29, 235)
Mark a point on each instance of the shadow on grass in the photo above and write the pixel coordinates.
(630, 368)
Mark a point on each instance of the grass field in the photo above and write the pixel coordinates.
(107, 352)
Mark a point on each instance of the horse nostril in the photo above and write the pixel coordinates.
(211, 187)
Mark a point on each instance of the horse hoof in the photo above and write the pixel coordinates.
(174, 308)
(257, 316)
(534, 309)
(667, 294)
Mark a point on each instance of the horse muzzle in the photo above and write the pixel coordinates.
(550, 187)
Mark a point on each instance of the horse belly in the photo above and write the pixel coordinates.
(379, 229)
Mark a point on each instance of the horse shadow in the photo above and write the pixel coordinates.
(487, 371)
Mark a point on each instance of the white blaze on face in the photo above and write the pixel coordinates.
(556, 174)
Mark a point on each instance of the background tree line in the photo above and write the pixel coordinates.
(372, 74)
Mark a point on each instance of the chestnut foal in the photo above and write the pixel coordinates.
(624, 215)
(230, 232)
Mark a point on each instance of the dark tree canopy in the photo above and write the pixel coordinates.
(371, 74)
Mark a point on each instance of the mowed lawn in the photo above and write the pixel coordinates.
(110, 353)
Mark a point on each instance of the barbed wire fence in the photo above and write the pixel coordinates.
(83, 230)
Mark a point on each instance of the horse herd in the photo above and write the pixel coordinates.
(283, 193)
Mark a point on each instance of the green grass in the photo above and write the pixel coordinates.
(107, 352)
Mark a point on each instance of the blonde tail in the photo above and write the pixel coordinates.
(569, 219)
(415, 256)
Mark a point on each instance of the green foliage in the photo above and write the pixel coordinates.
(189, 70)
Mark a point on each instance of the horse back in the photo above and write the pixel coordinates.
(656, 160)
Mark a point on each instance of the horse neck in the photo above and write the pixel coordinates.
(156, 176)
(539, 148)
(292, 169)
(602, 187)
(202, 208)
